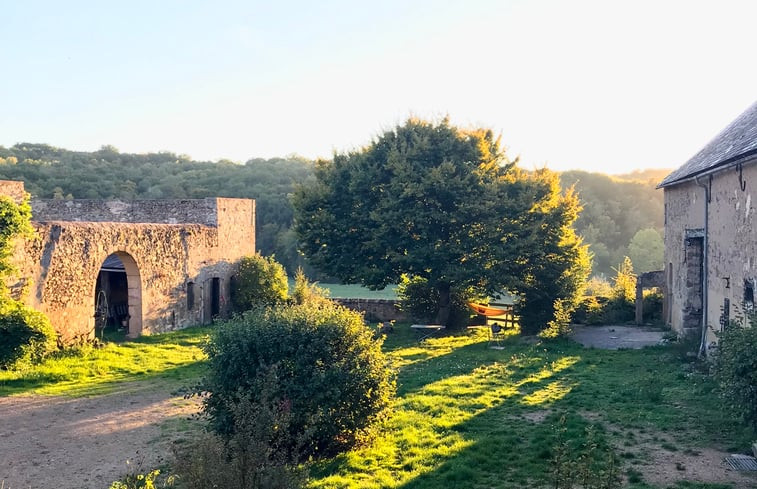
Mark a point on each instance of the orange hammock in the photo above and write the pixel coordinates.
(486, 310)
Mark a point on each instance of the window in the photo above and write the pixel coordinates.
(748, 295)
(190, 296)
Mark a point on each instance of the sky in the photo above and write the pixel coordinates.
(582, 84)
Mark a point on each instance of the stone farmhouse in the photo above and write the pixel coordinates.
(711, 233)
(147, 265)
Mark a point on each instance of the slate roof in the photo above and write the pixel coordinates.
(735, 143)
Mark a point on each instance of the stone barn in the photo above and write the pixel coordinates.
(711, 232)
(146, 265)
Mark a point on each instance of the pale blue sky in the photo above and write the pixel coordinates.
(599, 85)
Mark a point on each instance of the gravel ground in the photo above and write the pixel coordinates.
(84, 443)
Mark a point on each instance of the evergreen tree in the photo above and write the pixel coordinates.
(443, 204)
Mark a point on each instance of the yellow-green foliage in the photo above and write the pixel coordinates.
(26, 335)
(305, 292)
(624, 284)
(15, 221)
(259, 281)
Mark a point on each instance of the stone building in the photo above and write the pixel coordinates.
(710, 232)
(147, 265)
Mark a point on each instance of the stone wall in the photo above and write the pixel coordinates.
(14, 190)
(731, 249)
(163, 261)
(195, 211)
(375, 309)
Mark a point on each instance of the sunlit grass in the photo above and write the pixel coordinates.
(170, 357)
(474, 417)
(465, 415)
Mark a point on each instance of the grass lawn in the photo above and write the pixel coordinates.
(174, 358)
(354, 291)
(472, 417)
(467, 416)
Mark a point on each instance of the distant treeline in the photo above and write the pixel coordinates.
(622, 216)
(615, 208)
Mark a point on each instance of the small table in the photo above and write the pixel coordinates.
(426, 331)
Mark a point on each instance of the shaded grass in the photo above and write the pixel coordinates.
(469, 416)
(170, 357)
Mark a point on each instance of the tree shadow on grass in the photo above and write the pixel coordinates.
(463, 422)
(424, 370)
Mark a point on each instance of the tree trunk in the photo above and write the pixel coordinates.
(444, 306)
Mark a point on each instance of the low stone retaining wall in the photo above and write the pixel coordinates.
(375, 309)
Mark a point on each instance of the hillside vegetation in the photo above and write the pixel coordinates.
(616, 208)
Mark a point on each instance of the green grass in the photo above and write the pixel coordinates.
(340, 291)
(466, 415)
(469, 416)
(171, 357)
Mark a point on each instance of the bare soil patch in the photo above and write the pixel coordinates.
(85, 443)
(664, 468)
(663, 462)
(614, 337)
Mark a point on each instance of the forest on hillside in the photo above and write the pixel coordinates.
(622, 214)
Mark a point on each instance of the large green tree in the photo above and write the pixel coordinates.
(432, 201)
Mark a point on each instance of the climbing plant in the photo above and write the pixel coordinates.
(15, 220)
(25, 334)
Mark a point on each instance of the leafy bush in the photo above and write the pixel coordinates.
(421, 302)
(25, 335)
(328, 368)
(259, 453)
(736, 367)
(259, 281)
(652, 304)
(559, 327)
(591, 310)
(305, 292)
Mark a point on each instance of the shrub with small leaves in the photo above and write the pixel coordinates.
(329, 369)
(259, 453)
(259, 281)
(26, 335)
(736, 367)
(305, 292)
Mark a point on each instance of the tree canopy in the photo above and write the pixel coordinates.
(50, 172)
(615, 208)
(436, 202)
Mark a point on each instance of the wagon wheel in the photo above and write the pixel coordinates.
(101, 313)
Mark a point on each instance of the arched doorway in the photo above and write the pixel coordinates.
(118, 295)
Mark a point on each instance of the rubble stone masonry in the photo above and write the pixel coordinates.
(170, 249)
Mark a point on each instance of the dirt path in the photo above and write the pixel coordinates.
(64, 443)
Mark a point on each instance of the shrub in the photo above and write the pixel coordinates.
(259, 281)
(591, 310)
(421, 302)
(736, 367)
(329, 369)
(305, 292)
(25, 335)
(259, 453)
(652, 304)
(559, 327)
